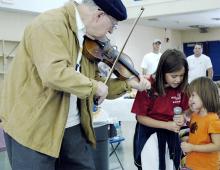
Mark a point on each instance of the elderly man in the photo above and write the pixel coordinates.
(46, 110)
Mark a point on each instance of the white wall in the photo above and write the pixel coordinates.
(141, 40)
(13, 23)
(195, 35)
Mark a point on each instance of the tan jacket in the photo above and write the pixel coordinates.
(37, 88)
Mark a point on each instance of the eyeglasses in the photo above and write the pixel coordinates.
(114, 22)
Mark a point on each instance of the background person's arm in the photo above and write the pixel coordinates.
(210, 72)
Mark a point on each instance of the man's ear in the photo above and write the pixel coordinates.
(99, 13)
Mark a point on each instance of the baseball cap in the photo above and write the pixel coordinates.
(157, 41)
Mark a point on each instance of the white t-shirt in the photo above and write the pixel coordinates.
(198, 66)
(150, 62)
(73, 115)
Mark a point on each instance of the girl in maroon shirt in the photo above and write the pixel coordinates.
(156, 140)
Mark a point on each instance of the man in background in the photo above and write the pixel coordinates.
(199, 64)
(150, 60)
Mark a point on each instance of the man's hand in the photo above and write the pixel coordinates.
(140, 85)
(102, 92)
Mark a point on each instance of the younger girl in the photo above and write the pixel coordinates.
(156, 141)
(203, 146)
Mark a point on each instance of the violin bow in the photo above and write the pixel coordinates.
(122, 49)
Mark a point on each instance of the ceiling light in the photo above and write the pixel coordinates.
(216, 19)
(196, 26)
(152, 19)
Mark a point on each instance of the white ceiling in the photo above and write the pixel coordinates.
(183, 21)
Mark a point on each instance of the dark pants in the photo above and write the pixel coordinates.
(75, 154)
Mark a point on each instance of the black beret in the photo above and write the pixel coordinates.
(115, 8)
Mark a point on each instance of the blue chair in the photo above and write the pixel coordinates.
(115, 141)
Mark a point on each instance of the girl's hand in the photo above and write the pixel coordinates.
(172, 126)
(179, 119)
(186, 147)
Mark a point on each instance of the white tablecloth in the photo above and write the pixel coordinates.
(119, 108)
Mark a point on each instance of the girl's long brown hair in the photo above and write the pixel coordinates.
(171, 60)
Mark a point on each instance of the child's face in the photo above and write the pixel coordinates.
(195, 102)
(174, 79)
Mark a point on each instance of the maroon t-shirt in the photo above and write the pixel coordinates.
(160, 107)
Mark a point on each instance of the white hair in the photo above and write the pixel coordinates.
(87, 2)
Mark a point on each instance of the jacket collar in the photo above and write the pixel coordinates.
(71, 13)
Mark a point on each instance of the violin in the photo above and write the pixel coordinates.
(103, 51)
(96, 51)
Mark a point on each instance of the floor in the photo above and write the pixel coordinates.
(124, 151)
(4, 164)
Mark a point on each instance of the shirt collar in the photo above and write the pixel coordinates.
(81, 31)
(80, 25)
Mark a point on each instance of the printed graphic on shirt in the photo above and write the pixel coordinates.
(176, 99)
(193, 127)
